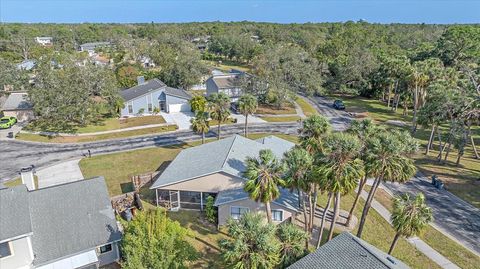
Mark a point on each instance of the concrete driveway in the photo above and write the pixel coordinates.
(15, 129)
(61, 173)
(181, 119)
(251, 119)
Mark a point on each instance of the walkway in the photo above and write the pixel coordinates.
(415, 241)
(59, 174)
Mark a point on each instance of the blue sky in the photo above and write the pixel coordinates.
(282, 11)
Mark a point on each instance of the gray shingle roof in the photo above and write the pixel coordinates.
(17, 101)
(139, 90)
(64, 220)
(93, 45)
(14, 213)
(287, 199)
(71, 218)
(346, 251)
(226, 155)
(227, 81)
(177, 92)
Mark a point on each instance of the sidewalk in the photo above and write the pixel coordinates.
(415, 241)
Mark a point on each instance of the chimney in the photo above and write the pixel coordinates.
(28, 179)
(140, 80)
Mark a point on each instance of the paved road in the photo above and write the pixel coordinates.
(339, 119)
(17, 154)
(451, 214)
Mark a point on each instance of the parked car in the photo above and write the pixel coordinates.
(7, 122)
(234, 107)
(338, 104)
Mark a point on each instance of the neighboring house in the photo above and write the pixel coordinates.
(17, 105)
(151, 94)
(230, 84)
(65, 226)
(26, 65)
(347, 251)
(91, 47)
(146, 62)
(44, 40)
(216, 169)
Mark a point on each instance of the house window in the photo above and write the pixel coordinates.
(130, 108)
(277, 215)
(236, 212)
(105, 248)
(5, 250)
(150, 107)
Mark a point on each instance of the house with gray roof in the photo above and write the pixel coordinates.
(347, 251)
(228, 83)
(92, 46)
(65, 226)
(17, 105)
(216, 169)
(151, 94)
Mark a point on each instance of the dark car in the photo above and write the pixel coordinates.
(338, 104)
(234, 107)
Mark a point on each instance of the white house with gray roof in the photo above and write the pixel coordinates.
(65, 226)
(228, 83)
(151, 94)
(347, 251)
(216, 169)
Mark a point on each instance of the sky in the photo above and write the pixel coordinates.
(280, 11)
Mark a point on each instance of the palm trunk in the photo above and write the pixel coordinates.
(269, 212)
(218, 131)
(367, 206)
(314, 208)
(322, 222)
(246, 125)
(357, 197)
(415, 104)
(430, 141)
(310, 207)
(299, 194)
(472, 141)
(389, 93)
(203, 138)
(440, 149)
(394, 243)
(335, 215)
(448, 150)
(305, 214)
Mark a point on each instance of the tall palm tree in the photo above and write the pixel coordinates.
(264, 176)
(315, 128)
(298, 163)
(387, 160)
(200, 123)
(363, 130)
(247, 104)
(219, 107)
(409, 216)
(341, 168)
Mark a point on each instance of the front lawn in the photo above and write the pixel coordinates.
(281, 119)
(91, 138)
(115, 124)
(306, 107)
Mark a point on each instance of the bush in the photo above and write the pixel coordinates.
(210, 211)
(141, 111)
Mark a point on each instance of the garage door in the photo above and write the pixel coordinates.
(179, 108)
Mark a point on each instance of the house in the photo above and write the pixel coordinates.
(44, 40)
(65, 226)
(230, 84)
(151, 94)
(216, 169)
(17, 105)
(147, 62)
(91, 47)
(347, 251)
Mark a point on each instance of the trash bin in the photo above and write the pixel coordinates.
(10, 135)
(434, 180)
(440, 185)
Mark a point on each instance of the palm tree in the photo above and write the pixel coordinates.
(315, 128)
(298, 163)
(264, 176)
(291, 239)
(247, 104)
(200, 124)
(341, 168)
(363, 130)
(219, 106)
(409, 216)
(387, 159)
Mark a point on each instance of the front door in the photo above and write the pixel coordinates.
(163, 106)
(174, 200)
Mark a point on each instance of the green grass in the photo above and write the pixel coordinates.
(434, 238)
(115, 124)
(281, 119)
(463, 181)
(271, 110)
(91, 138)
(379, 233)
(306, 107)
